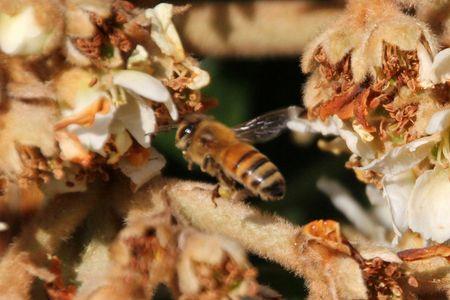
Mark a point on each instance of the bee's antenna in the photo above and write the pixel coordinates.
(167, 127)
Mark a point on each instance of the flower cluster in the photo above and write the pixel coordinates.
(380, 85)
(154, 247)
(88, 84)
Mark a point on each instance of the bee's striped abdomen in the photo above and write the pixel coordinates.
(254, 170)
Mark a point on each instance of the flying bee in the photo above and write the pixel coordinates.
(228, 155)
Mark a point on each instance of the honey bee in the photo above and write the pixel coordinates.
(228, 155)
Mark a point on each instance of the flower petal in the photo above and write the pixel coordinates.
(439, 122)
(163, 32)
(402, 158)
(21, 34)
(139, 119)
(315, 126)
(141, 174)
(122, 142)
(200, 78)
(355, 143)
(353, 211)
(380, 208)
(374, 195)
(172, 108)
(441, 66)
(86, 108)
(142, 84)
(138, 56)
(71, 148)
(397, 190)
(429, 208)
(382, 214)
(334, 126)
(427, 77)
(95, 136)
(372, 251)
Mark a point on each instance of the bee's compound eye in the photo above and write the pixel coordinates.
(186, 130)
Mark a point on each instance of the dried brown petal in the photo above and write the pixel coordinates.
(328, 233)
(424, 253)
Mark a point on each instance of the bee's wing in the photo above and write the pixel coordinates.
(268, 126)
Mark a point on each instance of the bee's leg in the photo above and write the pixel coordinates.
(242, 194)
(215, 194)
(188, 160)
(226, 186)
(210, 166)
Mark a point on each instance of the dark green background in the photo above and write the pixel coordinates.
(245, 89)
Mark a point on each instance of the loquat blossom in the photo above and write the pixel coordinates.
(97, 110)
(213, 266)
(164, 34)
(412, 193)
(375, 88)
(114, 80)
(26, 29)
(335, 127)
(163, 31)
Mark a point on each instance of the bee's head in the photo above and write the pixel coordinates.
(186, 130)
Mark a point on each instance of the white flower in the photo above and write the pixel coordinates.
(138, 56)
(163, 31)
(139, 119)
(94, 112)
(439, 122)
(402, 158)
(362, 132)
(142, 84)
(146, 86)
(420, 204)
(141, 174)
(334, 126)
(200, 78)
(397, 190)
(95, 136)
(426, 78)
(135, 116)
(429, 205)
(433, 70)
(21, 34)
(197, 247)
(441, 65)
(352, 210)
(380, 207)
(88, 119)
(165, 35)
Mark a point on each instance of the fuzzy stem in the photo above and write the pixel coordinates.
(255, 28)
(327, 272)
(27, 257)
